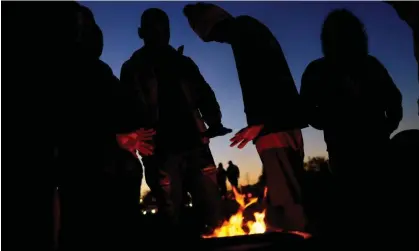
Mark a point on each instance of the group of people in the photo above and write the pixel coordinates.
(232, 174)
(162, 109)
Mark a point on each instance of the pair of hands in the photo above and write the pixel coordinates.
(137, 141)
(241, 138)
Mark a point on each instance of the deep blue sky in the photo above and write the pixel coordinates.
(297, 27)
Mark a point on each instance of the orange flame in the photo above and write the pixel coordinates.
(235, 225)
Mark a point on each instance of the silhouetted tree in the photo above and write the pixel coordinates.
(316, 164)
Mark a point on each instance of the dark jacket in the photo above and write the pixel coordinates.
(269, 92)
(347, 103)
(142, 74)
(94, 110)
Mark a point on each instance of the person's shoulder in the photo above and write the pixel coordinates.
(315, 66)
(106, 70)
(188, 62)
(247, 19)
(373, 61)
(248, 23)
(136, 57)
(104, 66)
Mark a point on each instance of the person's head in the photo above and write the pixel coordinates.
(90, 36)
(230, 162)
(220, 165)
(343, 36)
(155, 28)
(210, 22)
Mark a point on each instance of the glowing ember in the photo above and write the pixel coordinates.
(236, 226)
(302, 234)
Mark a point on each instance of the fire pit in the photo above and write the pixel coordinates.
(236, 234)
(266, 241)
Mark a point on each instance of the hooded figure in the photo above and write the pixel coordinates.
(178, 103)
(271, 102)
(351, 97)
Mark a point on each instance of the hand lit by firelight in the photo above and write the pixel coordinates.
(246, 135)
(137, 141)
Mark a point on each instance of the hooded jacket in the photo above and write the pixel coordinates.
(269, 92)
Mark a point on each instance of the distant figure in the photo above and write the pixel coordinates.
(272, 105)
(233, 174)
(222, 179)
(177, 102)
(351, 97)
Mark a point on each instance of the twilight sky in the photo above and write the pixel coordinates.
(296, 25)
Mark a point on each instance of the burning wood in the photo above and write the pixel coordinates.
(236, 225)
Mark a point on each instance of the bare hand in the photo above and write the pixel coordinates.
(136, 141)
(245, 135)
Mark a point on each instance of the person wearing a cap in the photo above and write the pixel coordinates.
(173, 95)
(272, 105)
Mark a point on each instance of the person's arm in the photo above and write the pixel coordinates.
(131, 134)
(129, 111)
(309, 92)
(207, 103)
(206, 99)
(392, 97)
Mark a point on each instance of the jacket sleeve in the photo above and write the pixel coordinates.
(128, 111)
(392, 98)
(309, 94)
(206, 99)
(270, 96)
(254, 72)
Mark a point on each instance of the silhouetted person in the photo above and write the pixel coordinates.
(271, 101)
(222, 179)
(351, 97)
(36, 55)
(91, 161)
(173, 95)
(405, 157)
(233, 174)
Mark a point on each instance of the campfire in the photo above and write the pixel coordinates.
(237, 226)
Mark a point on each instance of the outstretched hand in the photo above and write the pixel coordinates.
(137, 141)
(245, 135)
